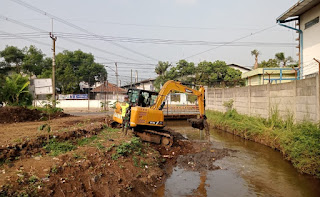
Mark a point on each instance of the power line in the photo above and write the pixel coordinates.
(156, 26)
(31, 40)
(68, 39)
(230, 42)
(159, 41)
(76, 27)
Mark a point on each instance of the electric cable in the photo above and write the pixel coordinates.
(31, 7)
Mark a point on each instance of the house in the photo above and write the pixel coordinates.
(240, 68)
(261, 76)
(306, 13)
(108, 91)
(143, 85)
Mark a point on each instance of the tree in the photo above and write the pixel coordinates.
(13, 57)
(282, 58)
(72, 67)
(185, 68)
(255, 53)
(217, 73)
(14, 91)
(33, 61)
(269, 64)
(162, 68)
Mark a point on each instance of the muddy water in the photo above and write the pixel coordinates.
(251, 170)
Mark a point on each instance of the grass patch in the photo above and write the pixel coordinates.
(48, 109)
(86, 141)
(56, 148)
(299, 143)
(126, 148)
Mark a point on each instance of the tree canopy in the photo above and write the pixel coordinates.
(72, 67)
(216, 73)
(280, 59)
(13, 57)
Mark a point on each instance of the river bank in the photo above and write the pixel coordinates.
(82, 156)
(299, 143)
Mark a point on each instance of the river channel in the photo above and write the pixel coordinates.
(251, 169)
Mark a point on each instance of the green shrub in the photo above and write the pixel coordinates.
(126, 148)
(56, 148)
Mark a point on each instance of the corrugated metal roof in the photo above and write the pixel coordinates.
(298, 9)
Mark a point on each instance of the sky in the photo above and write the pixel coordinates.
(138, 33)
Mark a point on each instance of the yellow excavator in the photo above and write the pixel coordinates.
(145, 116)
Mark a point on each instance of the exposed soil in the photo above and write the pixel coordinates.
(14, 133)
(91, 169)
(22, 114)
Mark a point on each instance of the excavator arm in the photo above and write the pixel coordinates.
(170, 86)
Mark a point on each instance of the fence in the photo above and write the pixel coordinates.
(299, 98)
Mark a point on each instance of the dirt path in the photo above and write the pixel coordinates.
(15, 132)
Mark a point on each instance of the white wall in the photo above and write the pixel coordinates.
(75, 104)
(146, 86)
(311, 41)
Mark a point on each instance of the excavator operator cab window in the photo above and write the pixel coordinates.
(133, 96)
(143, 98)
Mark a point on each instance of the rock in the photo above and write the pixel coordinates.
(37, 158)
(46, 179)
(95, 178)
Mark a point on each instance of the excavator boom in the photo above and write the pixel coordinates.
(171, 85)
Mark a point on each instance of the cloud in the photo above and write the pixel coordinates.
(186, 2)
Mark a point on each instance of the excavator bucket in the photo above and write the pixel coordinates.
(201, 124)
(197, 123)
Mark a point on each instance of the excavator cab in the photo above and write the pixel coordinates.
(142, 98)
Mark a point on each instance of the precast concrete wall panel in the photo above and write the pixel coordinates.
(298, 98)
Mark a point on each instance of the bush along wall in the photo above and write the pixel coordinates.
(299, 143)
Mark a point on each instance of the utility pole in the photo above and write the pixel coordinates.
(89, 94)
(136, 76)
(54, 39)
(105, 93)
(117, 79)
(318, 63)
(131, 79)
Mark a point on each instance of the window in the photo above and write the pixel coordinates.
(311, 23)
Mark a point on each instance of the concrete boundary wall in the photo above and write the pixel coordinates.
(298, 98)
(75, 104)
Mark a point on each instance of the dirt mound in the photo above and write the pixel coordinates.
(18, 114)
(22, 114)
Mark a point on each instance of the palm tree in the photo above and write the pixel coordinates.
(282, 58)
(255, 53)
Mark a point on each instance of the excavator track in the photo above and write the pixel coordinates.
(159, 137)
